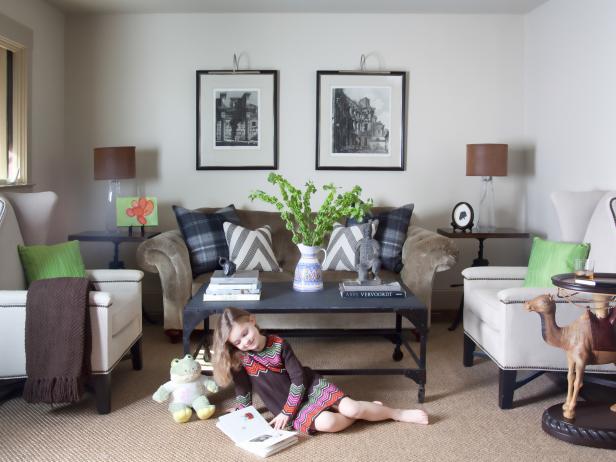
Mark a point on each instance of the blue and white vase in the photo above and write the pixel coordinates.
(308, 272)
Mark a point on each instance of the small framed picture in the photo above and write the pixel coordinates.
(136, 211)
(237, 120)
(361, 120)
(462, 216)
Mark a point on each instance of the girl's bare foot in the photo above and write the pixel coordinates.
(378, 402)
(413, 416)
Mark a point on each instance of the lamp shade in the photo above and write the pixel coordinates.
(115, 163)
(486, 160)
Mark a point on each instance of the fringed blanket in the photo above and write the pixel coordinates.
(58, 343)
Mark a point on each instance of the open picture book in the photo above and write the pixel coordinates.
(251, 432)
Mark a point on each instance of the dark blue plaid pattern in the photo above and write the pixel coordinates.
(204, 236)
(391, 234)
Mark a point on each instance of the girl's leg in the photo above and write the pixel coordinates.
(328, 421)
(376, 411)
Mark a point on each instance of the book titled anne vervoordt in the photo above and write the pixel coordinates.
(251, 432)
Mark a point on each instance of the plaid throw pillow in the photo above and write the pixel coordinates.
(391, 234)
(204, 236)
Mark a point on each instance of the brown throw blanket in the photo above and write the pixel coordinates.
(58, 342)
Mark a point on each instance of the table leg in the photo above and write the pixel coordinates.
(191, 320)
(116, 263)
(398, 355)
(479, 261)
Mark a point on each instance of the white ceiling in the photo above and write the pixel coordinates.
(298, 6)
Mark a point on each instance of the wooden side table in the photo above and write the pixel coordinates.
(480, 235)
(116, 239)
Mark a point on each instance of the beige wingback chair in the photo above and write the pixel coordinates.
(494, 316)
(115, 308)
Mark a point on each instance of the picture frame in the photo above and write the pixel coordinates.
(462, 217)
(237, 120)
(361, 120)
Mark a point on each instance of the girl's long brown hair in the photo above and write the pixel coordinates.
(226, 355)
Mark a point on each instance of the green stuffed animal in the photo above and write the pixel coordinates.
(187, 388)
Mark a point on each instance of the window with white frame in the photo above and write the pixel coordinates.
(14, 86)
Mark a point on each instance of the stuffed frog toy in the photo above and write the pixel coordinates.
(187, 389)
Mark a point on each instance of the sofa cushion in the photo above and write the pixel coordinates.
(251, 250)
(391, 234)
(342, 246)
(51, 261)
(204, 236)
(548, 258)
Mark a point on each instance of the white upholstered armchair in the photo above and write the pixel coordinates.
(115, 308)
(494, 317)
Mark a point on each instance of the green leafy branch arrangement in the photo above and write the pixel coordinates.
(295, 210)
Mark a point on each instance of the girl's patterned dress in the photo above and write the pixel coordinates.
(284, 384)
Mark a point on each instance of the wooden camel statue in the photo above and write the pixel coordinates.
(576, 340)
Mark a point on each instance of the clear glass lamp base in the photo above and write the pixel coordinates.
(485, 217)
(110, 206)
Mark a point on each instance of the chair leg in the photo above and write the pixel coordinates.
(506, 387)
(469, 349)
(136, 355)
(102, 392)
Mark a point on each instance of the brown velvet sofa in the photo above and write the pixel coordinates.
(424, 253)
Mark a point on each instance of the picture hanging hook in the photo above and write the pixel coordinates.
(362, 63)
(235, 63)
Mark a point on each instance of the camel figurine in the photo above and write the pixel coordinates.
(576, 340)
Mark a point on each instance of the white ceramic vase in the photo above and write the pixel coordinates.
(308, 272)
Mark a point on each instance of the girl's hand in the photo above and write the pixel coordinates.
(280, 421)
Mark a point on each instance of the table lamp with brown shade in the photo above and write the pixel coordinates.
(113, 164)
(486, 160)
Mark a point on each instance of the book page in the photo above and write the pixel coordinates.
(244, 425)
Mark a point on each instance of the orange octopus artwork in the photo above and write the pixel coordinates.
(140, 208)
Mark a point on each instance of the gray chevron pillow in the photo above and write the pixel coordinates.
(250, 250)
(340, 255)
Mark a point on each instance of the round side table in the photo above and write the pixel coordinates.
(594, 423)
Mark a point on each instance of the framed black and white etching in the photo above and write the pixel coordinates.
(237, 120)
(361, 120)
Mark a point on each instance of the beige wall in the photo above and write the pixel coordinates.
(130, 79)
(570, 94)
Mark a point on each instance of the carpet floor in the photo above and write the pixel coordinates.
(465, 421)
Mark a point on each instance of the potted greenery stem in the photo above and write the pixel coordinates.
(309, 230)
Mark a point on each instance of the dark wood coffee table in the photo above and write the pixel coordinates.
(279, 297)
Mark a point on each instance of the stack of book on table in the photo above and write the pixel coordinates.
(242, 285)
(355, 289)
(251, 432)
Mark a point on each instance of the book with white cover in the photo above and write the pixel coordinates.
(233, 286)
(231, 297)
(240, 277)
(251, 432)
(393, 286)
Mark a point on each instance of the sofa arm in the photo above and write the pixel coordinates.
(424, 253)
(167, 255)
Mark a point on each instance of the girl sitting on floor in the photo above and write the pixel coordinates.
(296, 395)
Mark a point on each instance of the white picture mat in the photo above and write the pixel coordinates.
(264, 155)
(329, 159)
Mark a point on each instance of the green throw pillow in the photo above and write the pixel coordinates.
(51, 261)
(548, 258)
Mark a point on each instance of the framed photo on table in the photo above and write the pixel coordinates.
(237, 120)
(361, 120)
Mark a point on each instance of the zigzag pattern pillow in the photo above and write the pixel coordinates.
(340, 254)
(251, 250)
